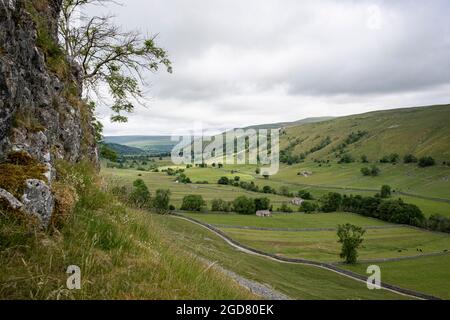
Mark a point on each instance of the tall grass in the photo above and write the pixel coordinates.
(123, 254)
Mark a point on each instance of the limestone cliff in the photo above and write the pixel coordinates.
(41, 112)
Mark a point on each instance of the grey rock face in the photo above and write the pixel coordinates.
(38, 200)
(10, 200)
(35, 114)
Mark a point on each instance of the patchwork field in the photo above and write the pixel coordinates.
(398, 250)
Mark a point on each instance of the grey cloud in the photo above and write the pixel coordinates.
(243, 62)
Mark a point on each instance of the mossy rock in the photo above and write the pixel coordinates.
(18, 168)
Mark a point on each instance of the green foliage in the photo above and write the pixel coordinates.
(108, 153)
(220, 205)
(396, 211)
(108, 55)
(269, 190)
(392, 158)
(284, 191)
(331, 202)
(244, 205)
(140, 195)
(364, 159)
(426, 162)
(305, 195)
(439, 223)
(262, 204)
(351, 238)
(409, 158)
(373, 171)
(161, 201)
(386, 192)
(193, 203)
(346, 158)
(309, 207)
(285, 208)
(224, 181)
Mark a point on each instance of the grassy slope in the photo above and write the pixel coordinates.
(420, 131)
(297, 281)
(430, 274)
(123, 254)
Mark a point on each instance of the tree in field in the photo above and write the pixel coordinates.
(331, 202)
(244, 205)
(161, 202)
(386, 192)
(351, 238)
(109, 56)
(193, 203)
(220, 205)
(140, 196)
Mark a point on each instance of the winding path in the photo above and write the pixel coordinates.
(326, 266)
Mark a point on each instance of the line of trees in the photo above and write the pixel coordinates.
(139, 196)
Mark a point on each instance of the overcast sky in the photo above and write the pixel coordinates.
(244, 62)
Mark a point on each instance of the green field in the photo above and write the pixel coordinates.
(297, 281)
(290, 221)
(347, 179)
(160, 180)
(429, 274)
(323, 245)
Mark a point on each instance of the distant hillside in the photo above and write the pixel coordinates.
(419, 131)
(124, 150)
(149, 144)
(280, 125)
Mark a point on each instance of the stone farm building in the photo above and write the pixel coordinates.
(297, 201)
(264, 213)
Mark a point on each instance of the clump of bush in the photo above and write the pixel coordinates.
(426, 162)
(393, 158)
(244, 205)
(220, 205)
(193, 203)
(409, 158)
(346, 158)
(305, 195)
(285, 208)
(373, 171)
(309, 207)
(439, 223)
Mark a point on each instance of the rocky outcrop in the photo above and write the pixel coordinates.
(38, 200)
(41, 111)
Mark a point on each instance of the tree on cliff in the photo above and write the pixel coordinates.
(109, 56)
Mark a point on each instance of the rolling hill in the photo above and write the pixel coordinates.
(125, 150)
(149, 144)
(421, 131)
